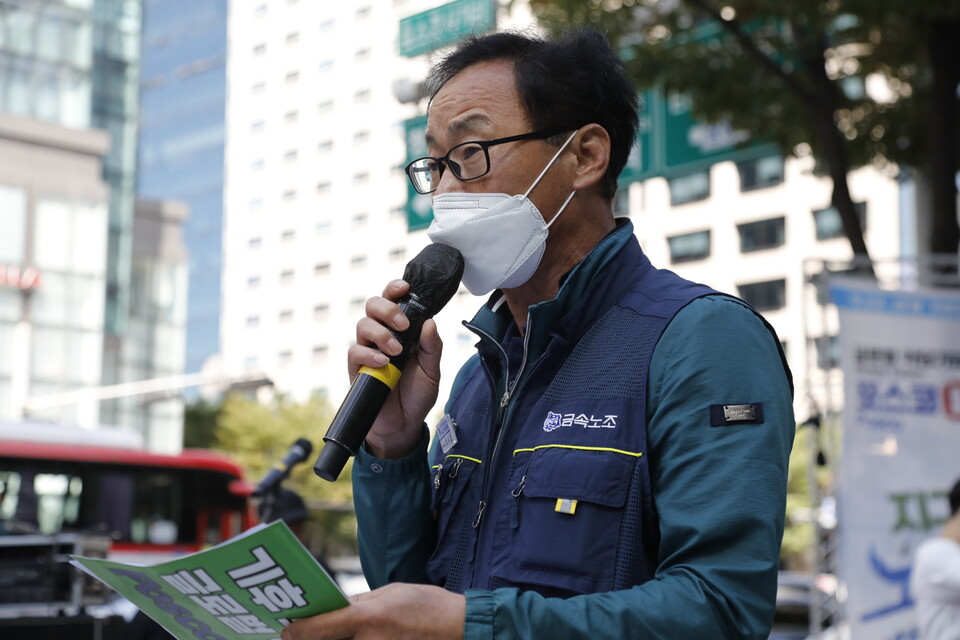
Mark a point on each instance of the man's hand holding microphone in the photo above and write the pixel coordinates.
(383, 406)
(387, 410)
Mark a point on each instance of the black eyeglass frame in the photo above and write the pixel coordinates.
(444, 160)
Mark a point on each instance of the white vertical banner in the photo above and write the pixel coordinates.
(900, 353)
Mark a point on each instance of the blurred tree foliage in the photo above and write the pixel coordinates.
(796, 551)
(259, 435)
(200, 424)
(854, 81)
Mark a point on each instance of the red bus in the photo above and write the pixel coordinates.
(56, 480)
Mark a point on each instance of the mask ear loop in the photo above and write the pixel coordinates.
(562, 207)
(550, 164)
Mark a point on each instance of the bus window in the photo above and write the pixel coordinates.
(212, 534)
(159, 500)
(58, 501)
(114, 500)
(148, 503)
(9, 492)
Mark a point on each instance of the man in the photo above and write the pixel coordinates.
(935, 580)
(612, 463)
(286, 505)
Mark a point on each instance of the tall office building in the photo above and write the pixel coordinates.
(319, 216)
(182, 103)
(53, 265)
(153, 347)
(113, 108)
(57, 173)
(316, 201)
(69, 75)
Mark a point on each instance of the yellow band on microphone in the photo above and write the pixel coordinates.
(387, 374)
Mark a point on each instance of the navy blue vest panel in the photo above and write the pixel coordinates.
(552, 493)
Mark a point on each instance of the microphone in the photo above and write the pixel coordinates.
(298, 452)
(434, 276)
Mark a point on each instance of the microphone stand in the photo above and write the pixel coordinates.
(268, 503)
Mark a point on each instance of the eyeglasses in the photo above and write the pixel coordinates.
(467, 160)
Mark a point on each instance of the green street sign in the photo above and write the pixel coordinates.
(419, 207)
(670, 142)
(693, 146)
(423, 32)
(642, 162)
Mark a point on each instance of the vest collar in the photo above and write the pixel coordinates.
(584, 293)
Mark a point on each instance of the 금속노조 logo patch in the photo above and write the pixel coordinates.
(554, 421)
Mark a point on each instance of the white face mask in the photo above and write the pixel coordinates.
(502, 237)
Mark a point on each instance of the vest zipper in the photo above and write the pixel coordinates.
(516, 493)
(448, 490)
(502, 411)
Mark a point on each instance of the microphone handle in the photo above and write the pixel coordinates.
(366, 397)
(352, 422)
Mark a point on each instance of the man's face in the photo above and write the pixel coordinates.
(482, 103)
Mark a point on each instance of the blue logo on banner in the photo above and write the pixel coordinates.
(894, 576)
(920, 399)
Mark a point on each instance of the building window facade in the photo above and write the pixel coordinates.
(764, 296)
(689, 246)
(760, 173)
(689, 188)
(828, 352)
(828, 224)
(762, 234)
(320, 353)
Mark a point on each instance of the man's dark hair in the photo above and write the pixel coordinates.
(570, 81)
(955, 499)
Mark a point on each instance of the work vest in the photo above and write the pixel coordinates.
(550, 490)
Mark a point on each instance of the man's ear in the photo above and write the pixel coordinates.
(592, 148)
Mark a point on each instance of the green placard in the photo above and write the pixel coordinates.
(423, 32)
(419, 207)
(248, 587)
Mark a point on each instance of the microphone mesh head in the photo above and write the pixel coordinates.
(434, 275)
(304, 444)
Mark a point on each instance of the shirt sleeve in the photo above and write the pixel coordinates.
(719, 488)
(395, 534)
(936, 576)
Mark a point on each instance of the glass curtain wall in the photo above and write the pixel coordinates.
(182, 102)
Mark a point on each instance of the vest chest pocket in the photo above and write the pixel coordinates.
(451, 483)
(563, 526)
